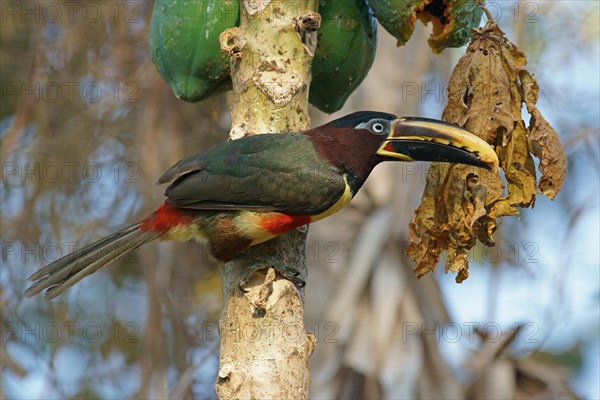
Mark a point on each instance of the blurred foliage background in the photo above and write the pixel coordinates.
(87, 126)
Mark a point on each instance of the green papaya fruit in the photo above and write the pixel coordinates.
(452, 19)
(185, 48)
(347, 40)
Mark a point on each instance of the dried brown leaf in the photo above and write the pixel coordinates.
(519, 171)
(543, 141)
(454, 202)
(460, 204)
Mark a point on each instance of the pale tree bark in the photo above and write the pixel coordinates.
(265, 349)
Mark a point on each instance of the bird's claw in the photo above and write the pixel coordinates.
(291, 274)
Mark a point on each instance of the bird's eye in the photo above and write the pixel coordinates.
(378, 127)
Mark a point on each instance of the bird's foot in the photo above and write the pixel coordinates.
(287, 272)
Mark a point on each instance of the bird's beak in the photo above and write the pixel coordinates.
(421, 139)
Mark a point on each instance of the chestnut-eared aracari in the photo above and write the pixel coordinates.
(247, 191)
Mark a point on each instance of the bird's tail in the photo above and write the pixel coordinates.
(63, 273)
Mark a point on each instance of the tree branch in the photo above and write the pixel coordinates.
(265, 349)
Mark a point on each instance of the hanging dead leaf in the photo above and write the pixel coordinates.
(543, 141)
(460, 204)
(452, 216)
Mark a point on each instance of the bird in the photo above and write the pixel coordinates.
(244, 192)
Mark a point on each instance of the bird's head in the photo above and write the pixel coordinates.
(359, 141)
(418, 139)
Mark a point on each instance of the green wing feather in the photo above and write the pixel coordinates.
(270, 172)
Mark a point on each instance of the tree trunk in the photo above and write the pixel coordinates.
(265, 349)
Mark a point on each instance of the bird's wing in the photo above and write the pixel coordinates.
(278, 172)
